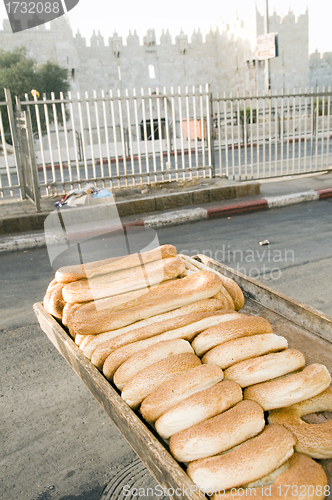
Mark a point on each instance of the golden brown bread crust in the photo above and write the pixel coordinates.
(80, 338)
(263, 368)
(237, 350)
(171, 393)
(219, 433)
(162, 298)
(305, 477)
(118, 357)
(243, 326)
(196, 307)
(53, 300)
(48, 292)
(225, 299)
(129, 280)
(223, 295)
(141, 360)
(291, 389)
(90, 269)
(186, 332)
(232, 288)
(314, 440)
(248, 462)
(198, 408)
(149, 379)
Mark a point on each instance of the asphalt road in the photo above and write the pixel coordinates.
(57, 442)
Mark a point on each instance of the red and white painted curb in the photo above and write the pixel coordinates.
(234, 208)
(37, 240)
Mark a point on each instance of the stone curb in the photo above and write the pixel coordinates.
(26, 242)
(144, 205)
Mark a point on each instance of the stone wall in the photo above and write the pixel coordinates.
(225, 58)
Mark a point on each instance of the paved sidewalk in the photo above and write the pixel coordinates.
(206, 199)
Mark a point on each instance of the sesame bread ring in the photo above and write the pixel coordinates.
(125, 281)
(160, 323)
(257, 370)
(53, 300)
(147, 357)
(225, 299)
(247, 462)
(232, 288)
(286, 391)
(198, 408)
(179, 388)
(237, 350)
(314, 440)
(120, 356)
(245, 420)
(149, 379)
(96, 268)
(242, 326)
(159, 299)
(300, 478)
(189, 329)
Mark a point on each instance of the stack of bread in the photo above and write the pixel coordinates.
(166, 331)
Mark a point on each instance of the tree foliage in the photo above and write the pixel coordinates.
(20, 74)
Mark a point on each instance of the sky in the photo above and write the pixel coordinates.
(125, 15)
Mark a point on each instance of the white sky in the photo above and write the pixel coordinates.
(125, 15)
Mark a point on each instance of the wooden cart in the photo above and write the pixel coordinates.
(305, 328)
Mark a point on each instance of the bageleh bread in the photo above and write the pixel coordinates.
(183, 386)
(232, 288)
(256, 370)
(248, 462)
(187, 332)
(219, 433)
(291, 389)
(165, 297)
(181, 327)
(314, 440)
(237, 350)
(198, 408)
(243, 326)
(149, 379)
(158, 323)
(305, 477)
(111, 284)
(120, 356)
(147, 357)
(53, 300)
(90, 269)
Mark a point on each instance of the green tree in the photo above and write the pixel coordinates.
(20, 74)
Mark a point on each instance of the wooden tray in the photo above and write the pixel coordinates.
(305, 328)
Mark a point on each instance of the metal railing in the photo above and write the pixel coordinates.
(274, 135)
(129, 139)
(121, 140)
(11, 177)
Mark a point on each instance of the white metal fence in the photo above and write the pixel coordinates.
(121, 140)
(142, 137)
(275, 135)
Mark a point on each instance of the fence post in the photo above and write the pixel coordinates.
(213, 163)
(13, 132)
